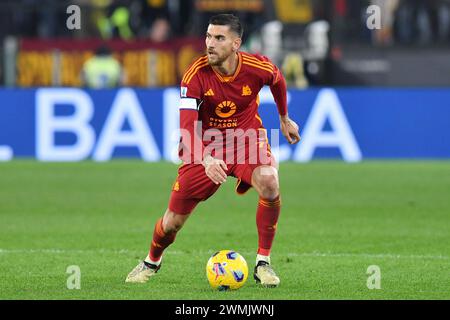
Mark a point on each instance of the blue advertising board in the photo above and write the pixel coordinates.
(71, 124)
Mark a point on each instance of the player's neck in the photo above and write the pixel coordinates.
(229, 66)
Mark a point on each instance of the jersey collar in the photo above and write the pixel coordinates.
(230, 78)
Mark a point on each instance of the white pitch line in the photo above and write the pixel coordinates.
(370, 255)
(174, 252)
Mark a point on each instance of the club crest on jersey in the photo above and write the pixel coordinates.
(226, 109)
(246, 91)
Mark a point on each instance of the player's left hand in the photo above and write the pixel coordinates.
(289, 129)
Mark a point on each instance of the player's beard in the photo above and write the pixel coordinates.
(218, 60)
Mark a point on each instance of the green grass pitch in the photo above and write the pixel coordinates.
(337, 220)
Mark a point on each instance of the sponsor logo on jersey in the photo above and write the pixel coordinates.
(209, 93)
(226, 109)
(222, 123)
(176, 186)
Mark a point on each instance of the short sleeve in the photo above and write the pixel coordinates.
(190, 92)
(190, 89)
(190, 83)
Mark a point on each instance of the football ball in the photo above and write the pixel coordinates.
(226, 270)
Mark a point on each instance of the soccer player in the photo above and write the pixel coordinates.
(219, 95)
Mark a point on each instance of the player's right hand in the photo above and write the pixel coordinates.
(215, 169)
(289, 129)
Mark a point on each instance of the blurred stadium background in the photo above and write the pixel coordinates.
(154, 40)
(108, 89)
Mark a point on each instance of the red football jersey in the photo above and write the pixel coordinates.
(232, 102)
(229, 102)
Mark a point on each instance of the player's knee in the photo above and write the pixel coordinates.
(172, 226)
(173, 222)
(269, 187)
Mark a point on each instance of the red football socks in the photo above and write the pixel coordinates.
(266, 222)
(161, 241)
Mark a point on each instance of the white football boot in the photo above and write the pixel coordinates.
(265, 275)
(142, 272)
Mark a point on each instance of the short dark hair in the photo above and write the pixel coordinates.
(228, 20)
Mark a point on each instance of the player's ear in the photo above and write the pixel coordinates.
(237, 44)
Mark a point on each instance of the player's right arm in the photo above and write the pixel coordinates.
(191, 144)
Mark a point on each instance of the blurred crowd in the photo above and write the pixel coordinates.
(403, 21)
(299, 35)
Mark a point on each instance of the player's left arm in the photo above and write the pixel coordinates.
(288, 127)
